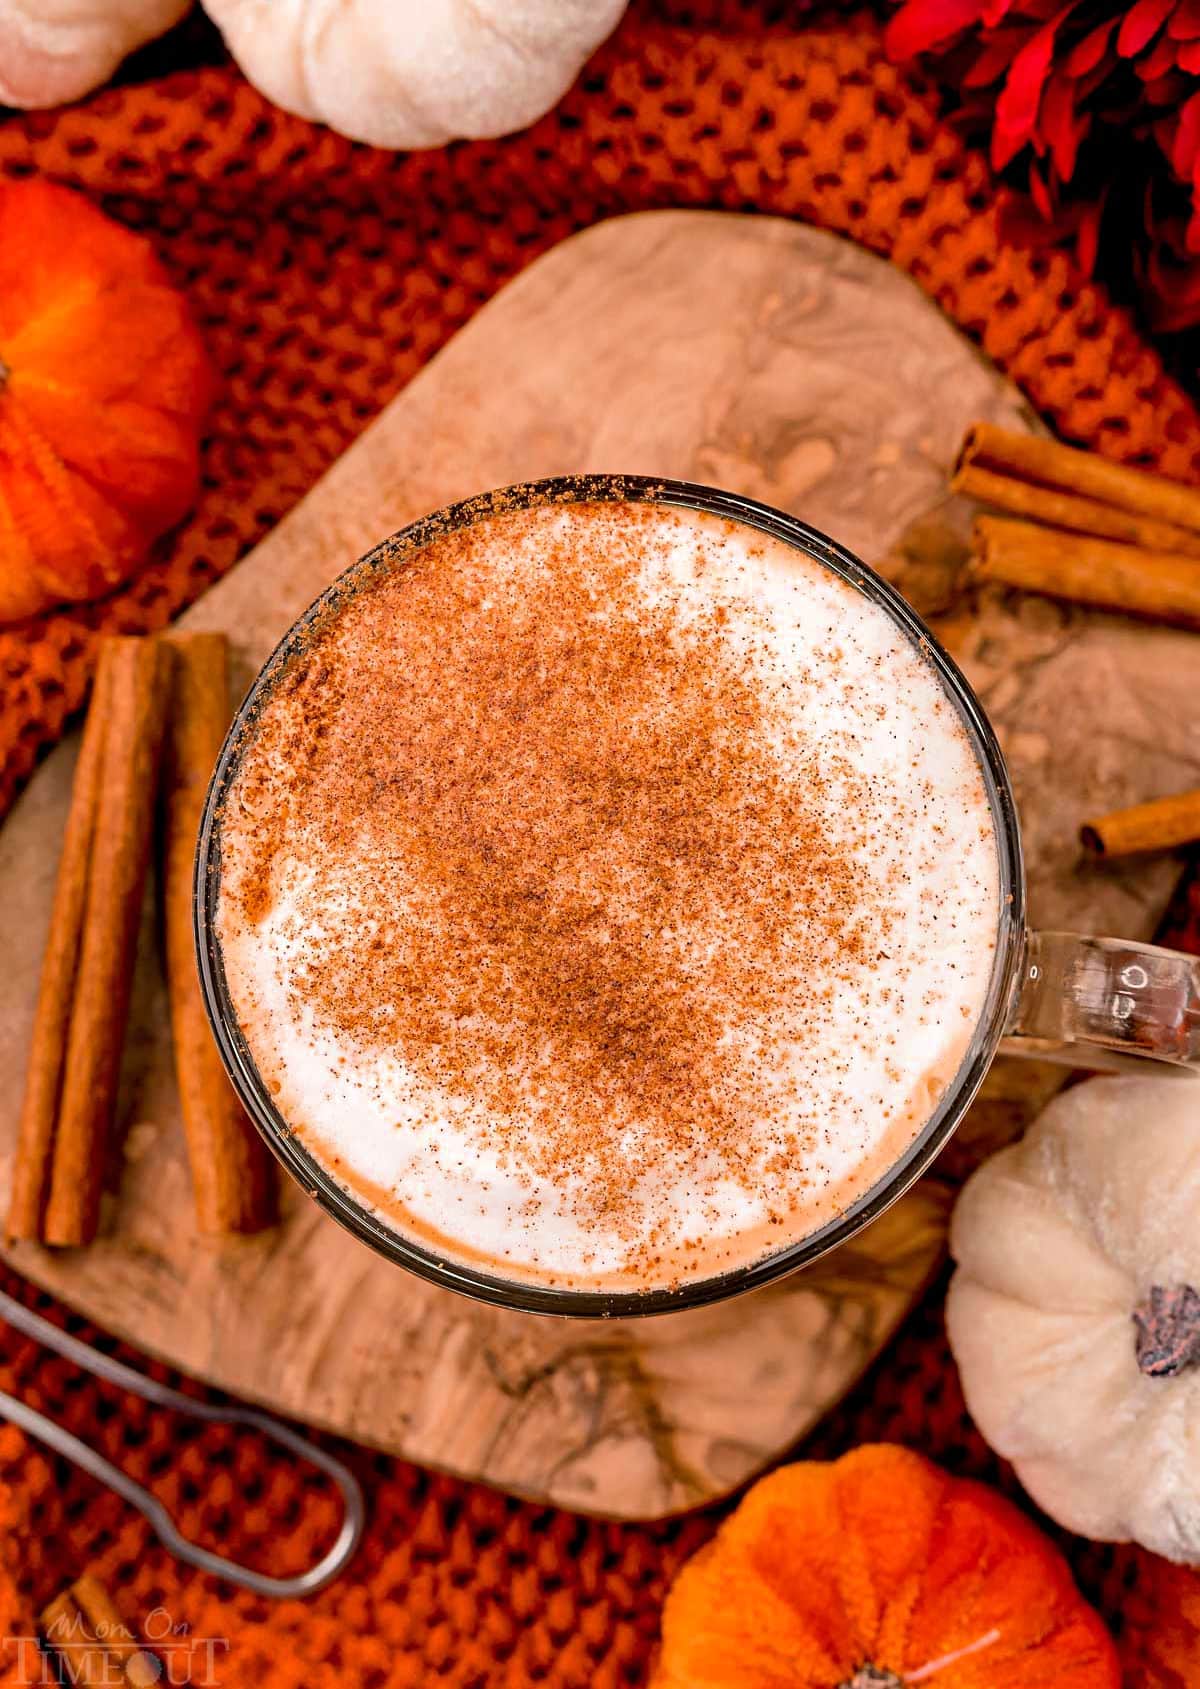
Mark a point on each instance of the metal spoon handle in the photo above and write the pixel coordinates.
(65, 1442)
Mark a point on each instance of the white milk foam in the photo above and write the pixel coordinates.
(853, 1074)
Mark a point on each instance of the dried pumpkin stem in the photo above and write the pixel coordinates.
(878, 1677)
(1168, 1331)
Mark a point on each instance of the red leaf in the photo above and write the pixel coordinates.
(1086, 86)
(1017, 106)
(1170, 283)
(1172, 295)
(996, 53)
(1188, 57)
(1087, 241)
(922, 24)
(1062, 126)
(1039, 192)
(1162, 57)
(1185, 21)
(1166, 90)
(1142, 23)
(1164, 132)
(1087, 53)
(1185, 145)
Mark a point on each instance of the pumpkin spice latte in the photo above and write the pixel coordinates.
(608, 893)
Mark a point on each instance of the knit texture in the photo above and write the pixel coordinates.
(325, 274)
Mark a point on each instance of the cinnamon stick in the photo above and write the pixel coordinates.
(141, 1669)
(136, 711)
(1127, 578)
(233, 1180)
(1159, 825)
(96, 1647)
(56, 989)
(1084, 474)
(83, 1659)
(1067, 510)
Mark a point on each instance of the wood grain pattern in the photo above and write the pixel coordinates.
(746, 352)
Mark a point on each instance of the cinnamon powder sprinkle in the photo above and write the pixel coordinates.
(565, 856)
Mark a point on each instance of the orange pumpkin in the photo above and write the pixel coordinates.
(1160, 1636)
(104, 384)
(879, 1571)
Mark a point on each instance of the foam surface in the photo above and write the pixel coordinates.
(608, 894)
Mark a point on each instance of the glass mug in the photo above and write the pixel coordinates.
(1092, 1002)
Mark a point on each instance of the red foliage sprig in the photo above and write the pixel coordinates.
(1082, 96)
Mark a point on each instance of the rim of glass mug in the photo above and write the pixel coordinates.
(527, 1295)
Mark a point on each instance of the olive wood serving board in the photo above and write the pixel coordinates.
(753, 354)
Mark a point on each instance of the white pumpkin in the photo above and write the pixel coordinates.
(414, 73)
(1075, 1311)
(52, 51)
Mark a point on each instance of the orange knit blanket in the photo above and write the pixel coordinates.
(324, 275)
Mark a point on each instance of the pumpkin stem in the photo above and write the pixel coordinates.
(1168, 1331)
(872, 1677)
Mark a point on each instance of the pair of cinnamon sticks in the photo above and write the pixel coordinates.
(159, 709)
(1082, 528)
(93, 1643)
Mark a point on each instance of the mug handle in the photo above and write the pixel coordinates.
(1105, 1003)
